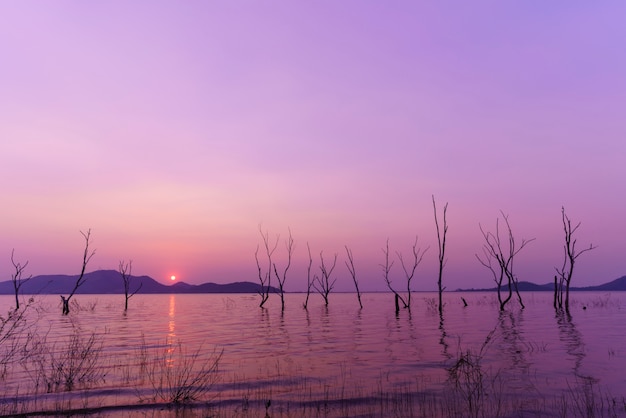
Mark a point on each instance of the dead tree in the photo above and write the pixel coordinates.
(281, 279)
(309, 280)
(125, 270)
(87, 254)
(265, 278)
(352, 270)
(566, 271)
(17, 279)
(498, 258)
(386, 270)
(409, 272)
(324, 285)
(441, 240)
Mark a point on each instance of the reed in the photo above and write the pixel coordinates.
(179, 376)
(62, 366)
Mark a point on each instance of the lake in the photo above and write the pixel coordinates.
(325, 361)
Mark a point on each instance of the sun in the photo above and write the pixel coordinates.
(172, 277)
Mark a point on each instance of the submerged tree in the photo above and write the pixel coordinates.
(409, 270)
(498, 258)
(125, 269)
(265, 278)
(281, 279)
(87, 254)
(310, 281)
(566, 271)
(325, 284)
(17, 279)
(352, 270)
(386, 270)
(441, 240)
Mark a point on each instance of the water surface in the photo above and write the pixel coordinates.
(339, 350)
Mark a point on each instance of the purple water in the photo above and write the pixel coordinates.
(335, 351)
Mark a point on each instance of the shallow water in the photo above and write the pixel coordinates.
(335, 351)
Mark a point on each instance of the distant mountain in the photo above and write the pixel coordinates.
(615, 285)
(110, 282)
(532, 287)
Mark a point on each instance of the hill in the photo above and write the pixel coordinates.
(613, 286)
(110, 282)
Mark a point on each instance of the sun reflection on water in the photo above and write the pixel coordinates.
(171, 328)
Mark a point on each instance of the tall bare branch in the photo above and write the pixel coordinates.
(17, 279)
(289, 244)
(571, 254)
(409, 270)
(309, 280)
(352, 270)
(87, 254)
(265, 278)
(386, 270)
(126, 269)
(442, 234)
(324, 285)
(499, 259)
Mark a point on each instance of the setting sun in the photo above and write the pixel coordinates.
(172, 277)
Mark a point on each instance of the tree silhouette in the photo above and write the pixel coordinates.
(17, 279)
(498, 257)
(324, 285)
(310, 281)
(442, 233)
(265, 278)
(87, 254)
(125, 269)
(352, 270)
(566, 271)
(281, 279)
(386, 270)
(409, 271)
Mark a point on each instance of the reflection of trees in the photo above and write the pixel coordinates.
(514, 346)
(443, 340)
(574, 345)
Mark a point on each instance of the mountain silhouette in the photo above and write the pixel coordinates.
(110, 282)
(615, 285)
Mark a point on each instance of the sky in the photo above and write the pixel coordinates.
(178, 131)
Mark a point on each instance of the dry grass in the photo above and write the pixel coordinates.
(64, 365)
(178, 376)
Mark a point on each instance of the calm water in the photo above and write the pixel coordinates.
(339, 350)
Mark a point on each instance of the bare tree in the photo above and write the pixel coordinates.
(324, 284)
(281, 279)
(386, 270)
(87, 254)
(17, 278)
(126, 269)
(352, 270)
(409, 272)
(566, 271)
(265, 278)
(441, 240)
(309, 281)
(498, 258)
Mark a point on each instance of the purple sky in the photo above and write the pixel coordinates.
(173, 129)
